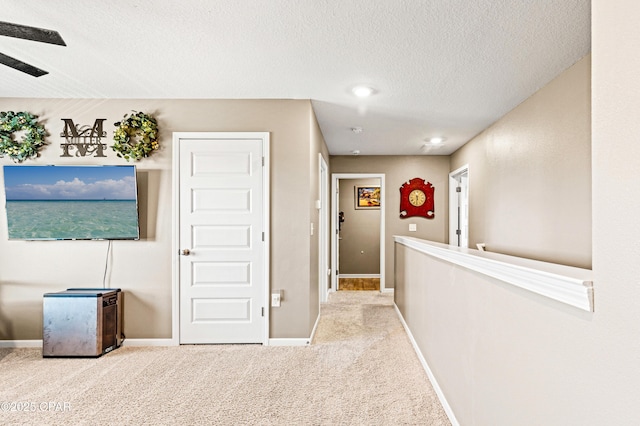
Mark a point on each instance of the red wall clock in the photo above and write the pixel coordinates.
(416, 199)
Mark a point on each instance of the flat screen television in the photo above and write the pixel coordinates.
(71, 202)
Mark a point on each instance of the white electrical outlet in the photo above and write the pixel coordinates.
(275, 300)
(413, 227)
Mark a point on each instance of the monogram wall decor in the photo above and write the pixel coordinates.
(82, 141)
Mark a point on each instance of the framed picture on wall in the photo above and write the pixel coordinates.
(367, 197)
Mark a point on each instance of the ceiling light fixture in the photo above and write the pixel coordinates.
(363, 91)
(355, 152)
(436, 140)
(356, 130)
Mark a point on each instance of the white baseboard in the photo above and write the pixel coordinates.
(127, 342)
(387, 290)
(290, 342)
(20, 343)
(315, 327)
(171, 342)
(432, 378)
(359, 276)
(159, 342)
(149, 342)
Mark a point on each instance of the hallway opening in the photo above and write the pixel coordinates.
(358, 231)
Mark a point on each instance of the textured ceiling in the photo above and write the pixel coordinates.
(440, 68)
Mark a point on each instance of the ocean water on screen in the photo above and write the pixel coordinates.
(69, 220)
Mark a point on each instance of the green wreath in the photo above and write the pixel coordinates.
(136, 136)
(32, 140)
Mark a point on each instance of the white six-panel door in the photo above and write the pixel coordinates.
(222, 238)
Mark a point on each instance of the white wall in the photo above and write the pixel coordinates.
(503, 356)
(615, 349)
(530, 175)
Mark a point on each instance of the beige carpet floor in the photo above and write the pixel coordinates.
(360, 370)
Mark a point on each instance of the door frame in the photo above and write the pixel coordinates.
(175, 260)
(454, 204)
(335, 177)
(323, 230)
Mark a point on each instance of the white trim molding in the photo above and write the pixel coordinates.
(454, 204)
(324, 244)
(436, 386)
(566, 284)
(36, 343)
(127, 342)
(289, 342)
(149, 342)
(315, 327)
(359, 276)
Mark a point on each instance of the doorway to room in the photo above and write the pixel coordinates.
(459, 207)
(357, 231)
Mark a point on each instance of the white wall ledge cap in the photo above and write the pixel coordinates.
(566, 284)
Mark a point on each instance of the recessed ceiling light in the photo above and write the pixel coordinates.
(436, 140)
(363, 91)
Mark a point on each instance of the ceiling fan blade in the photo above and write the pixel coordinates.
(21, 66)
(31, 33)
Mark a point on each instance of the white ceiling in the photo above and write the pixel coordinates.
(440, 67)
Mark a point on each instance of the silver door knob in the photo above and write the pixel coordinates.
(185, 252)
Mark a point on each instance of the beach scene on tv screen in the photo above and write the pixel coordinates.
(71, 202)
